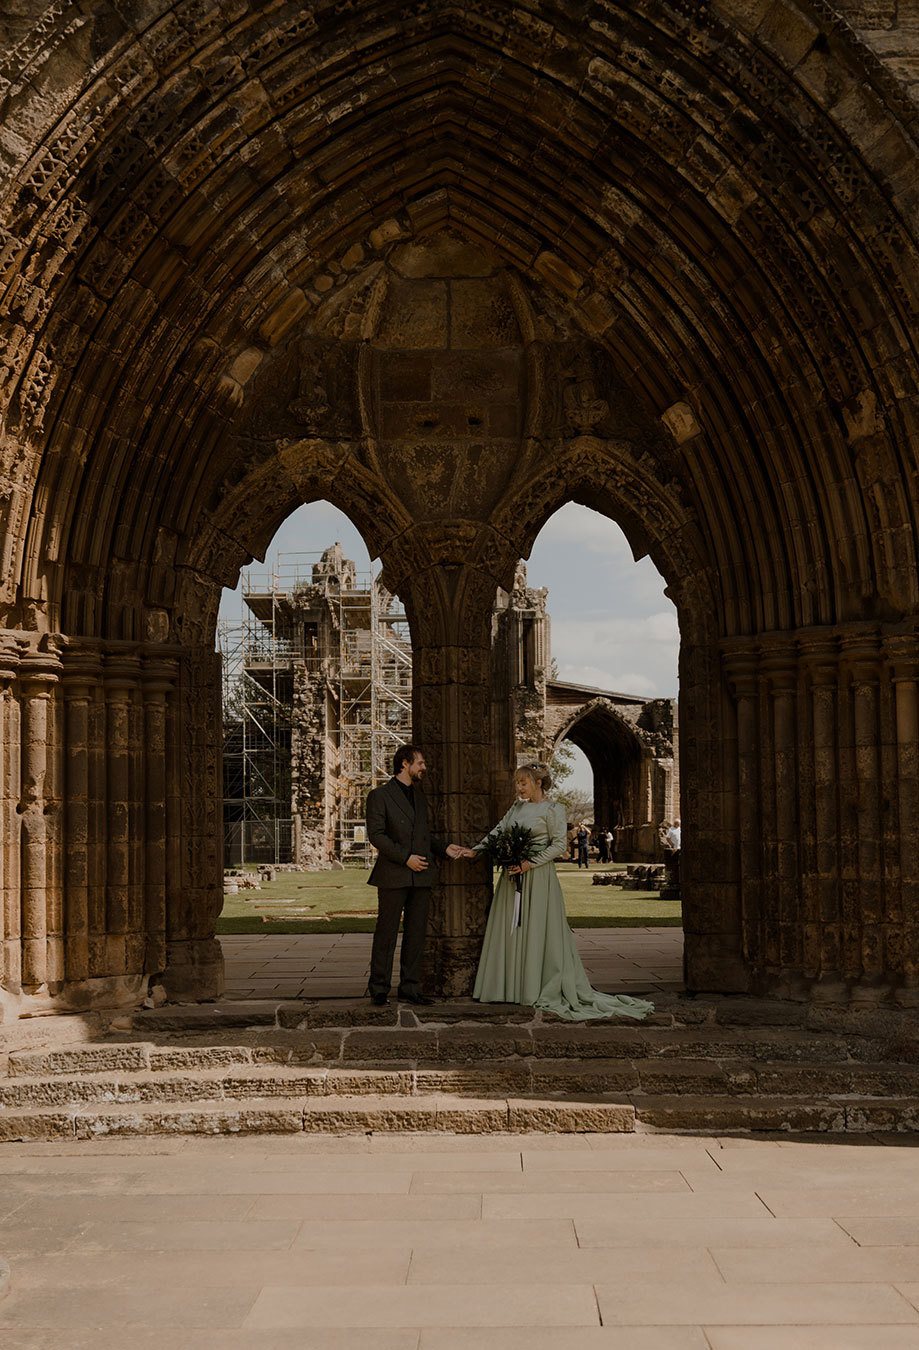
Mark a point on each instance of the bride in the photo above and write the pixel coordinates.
(536, 962)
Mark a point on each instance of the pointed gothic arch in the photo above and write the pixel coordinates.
(693, 232)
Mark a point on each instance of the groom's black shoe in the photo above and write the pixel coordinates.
(419, 999)
(380, 1000)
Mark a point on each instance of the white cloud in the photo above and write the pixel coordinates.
(664, 627)
(634, 655)
(621, 682)
(588, 529)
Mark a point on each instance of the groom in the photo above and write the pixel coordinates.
(397, 826)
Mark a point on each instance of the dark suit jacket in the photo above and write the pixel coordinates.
(396, 833)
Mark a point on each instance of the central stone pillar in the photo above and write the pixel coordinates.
(450, 610)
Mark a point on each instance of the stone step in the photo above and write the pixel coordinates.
(454, 1043)
(330, 1115)
(739, 1114)
(221, 1075)
(469, 1115)
(732, 1011)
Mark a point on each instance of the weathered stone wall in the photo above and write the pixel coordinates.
(111, 873)
(309, 768)
(828, 806)
(890, 28)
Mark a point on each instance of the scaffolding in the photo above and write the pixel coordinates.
(257, 680)
(358, 654)
(375, 703)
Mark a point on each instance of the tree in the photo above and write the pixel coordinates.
(562, 763)
(578, 804)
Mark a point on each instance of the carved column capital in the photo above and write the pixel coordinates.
(741, 669)
(121, 672)
(10, 657)
(82, 670)
(39, 672)
(902, 653)
(820, 658)
(159, 677)
(861, 654)
(779, 665)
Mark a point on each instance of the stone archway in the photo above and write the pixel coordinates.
(631, 756)
(663, 265)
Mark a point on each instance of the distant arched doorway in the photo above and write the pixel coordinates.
(636, 779)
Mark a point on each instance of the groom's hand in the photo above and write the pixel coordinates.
(455, 850)
(416, 862)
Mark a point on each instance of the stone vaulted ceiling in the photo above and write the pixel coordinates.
(718, 198)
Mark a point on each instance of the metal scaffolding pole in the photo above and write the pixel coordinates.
(359, 667)
(256, 710)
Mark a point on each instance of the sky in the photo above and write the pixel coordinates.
(612, 625)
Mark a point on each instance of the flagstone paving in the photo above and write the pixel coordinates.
(443, 1242)
(336, 965)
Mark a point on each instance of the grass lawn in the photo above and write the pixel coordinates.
(342, 902)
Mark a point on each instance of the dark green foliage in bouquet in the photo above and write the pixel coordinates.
(510, 847)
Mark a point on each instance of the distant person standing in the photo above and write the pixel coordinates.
(583, 839)
(672, 838)
(603, 846)
(610, 840)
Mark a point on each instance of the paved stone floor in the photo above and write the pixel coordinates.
(458, 1243)
(617, 960)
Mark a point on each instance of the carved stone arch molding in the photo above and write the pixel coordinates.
(450, 266)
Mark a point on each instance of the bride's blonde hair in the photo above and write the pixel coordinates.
(538, 772)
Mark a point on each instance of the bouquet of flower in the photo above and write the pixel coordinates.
(509, 848)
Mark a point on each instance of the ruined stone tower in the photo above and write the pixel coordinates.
(320, 696)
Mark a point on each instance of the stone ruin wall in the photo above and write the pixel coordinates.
(646, 786)
(521, 671)
(310, 767)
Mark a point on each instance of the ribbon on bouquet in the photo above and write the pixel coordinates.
(518, 897)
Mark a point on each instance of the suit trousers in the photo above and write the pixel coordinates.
(413, 900)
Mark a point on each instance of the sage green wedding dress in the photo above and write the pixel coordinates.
(537, 963)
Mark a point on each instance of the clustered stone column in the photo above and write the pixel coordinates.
(39, 820)
(194, 962)
(827, 743)
(720, 820)
(10, 861)
(83, 877)
(450, 612)
(109, 868)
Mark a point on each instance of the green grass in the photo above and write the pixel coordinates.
(342, 902)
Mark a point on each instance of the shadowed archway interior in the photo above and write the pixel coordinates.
(449, 268)
(633, 791)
